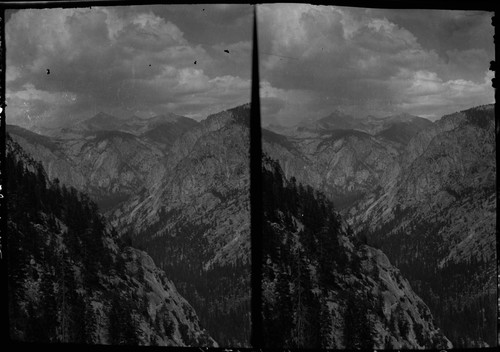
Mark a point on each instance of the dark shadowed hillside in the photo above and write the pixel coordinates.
(323, 287)
(71, 279)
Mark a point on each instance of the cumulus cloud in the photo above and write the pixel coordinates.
(366, 61)
(66, 64)
(430, 96)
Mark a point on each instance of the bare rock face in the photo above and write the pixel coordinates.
(107, 157)
(195, 221)
(344, 164)
(51, 154)
(436, 167)
(110, 166)
(115, 163)
(207, 173)
(165, 306)
(353, 164)
(417, 328)
(346, 157)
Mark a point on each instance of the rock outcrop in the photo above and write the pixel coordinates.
(324, 288)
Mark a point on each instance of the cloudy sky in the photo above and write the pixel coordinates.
(128, 60)
(317, 59)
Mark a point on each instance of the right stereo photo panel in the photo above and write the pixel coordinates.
(379, 178)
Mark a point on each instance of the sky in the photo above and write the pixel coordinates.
(69, 64)
(140, 60)
(318, 59)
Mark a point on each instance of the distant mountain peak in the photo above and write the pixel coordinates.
(166, 117)
(101, 116)
(239, 114)
(337, 114)
(403, 117)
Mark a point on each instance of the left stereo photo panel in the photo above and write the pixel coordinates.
(128, 180)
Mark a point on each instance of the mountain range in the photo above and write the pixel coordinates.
(184, 200)
(427, 199)
(422, 193)
(344, 156)
(399, 127)
(435, 217)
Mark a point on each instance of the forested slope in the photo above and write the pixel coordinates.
(71, 279)
(323, 287)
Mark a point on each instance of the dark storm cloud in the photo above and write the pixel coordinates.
(462, 29)
(209, 24)
(124, 60)
(372, 61)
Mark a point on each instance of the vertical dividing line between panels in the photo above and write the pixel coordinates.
(494, 83)
(256, 195)
(2, 136)
(3, 219)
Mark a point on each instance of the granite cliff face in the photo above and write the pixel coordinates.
(53, 157)
(455, 154)
(345, 157)
(445, 173)
(209, 161)
(441, 198)
(323, 287)
(206, 183)
(108, 165)
(195, 222)
(107, 157)
(71, 279)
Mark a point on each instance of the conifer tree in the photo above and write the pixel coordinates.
(358, 328)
